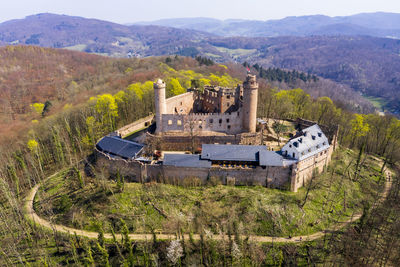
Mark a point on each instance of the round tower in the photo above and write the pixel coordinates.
(159, 102)
(250, 95)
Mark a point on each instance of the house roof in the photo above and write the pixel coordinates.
(116, 146)
(311, 141)
(231, 152)
(271, 158)
(185, 160)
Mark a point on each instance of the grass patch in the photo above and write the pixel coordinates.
(235, 53)
(78, 47)
(377, 102)
(334, 196)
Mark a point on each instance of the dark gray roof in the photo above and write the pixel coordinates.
(185, 160)
(231, 152)
(116, 146)
(270, 158)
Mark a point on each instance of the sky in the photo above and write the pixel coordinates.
(128, 11)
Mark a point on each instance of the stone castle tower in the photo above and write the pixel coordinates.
(160, 105)
(250, 95)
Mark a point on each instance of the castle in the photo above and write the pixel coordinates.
(215, 109)
(221, 123)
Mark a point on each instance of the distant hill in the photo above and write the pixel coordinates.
(96, 36)
(369, 65)
(378, 24)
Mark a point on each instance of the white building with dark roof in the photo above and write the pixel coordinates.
(306, 144)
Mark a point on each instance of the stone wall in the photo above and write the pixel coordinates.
(304, 169)
(230, 123)
(273, 177)
(132, 171)
(135, 126)
(184, 142)
(180, 104)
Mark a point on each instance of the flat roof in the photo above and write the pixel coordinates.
(185, 160)
(246, 153)
(116, 146)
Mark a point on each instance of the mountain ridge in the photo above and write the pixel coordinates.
(379, 24)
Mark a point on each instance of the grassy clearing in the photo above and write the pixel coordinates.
(377, 102)
(334, 196)
(78, 47)
(235, 53)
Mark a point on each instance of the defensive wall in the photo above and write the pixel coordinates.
(180, 104)
(304, 169)
(181, 142)
(229, 123)
(135, 171)
(135, 126)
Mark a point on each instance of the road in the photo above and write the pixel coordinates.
(31, 215)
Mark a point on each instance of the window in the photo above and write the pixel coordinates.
(229, 126)
(294, 155)
(228, 97)
(220, 121)
(227, 104)
(181, 103)
(179, 122)
(169, 122)
(211, 120)
(227, 120)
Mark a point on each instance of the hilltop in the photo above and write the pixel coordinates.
(95, 36)
(379, 24)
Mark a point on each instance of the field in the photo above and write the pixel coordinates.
(378, 102)
(94, 203)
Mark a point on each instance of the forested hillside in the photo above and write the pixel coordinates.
(37, 82)
(366, 64)
(97, 36)
(104, 94)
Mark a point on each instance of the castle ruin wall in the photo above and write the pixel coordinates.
(180, 104)
(230, 123)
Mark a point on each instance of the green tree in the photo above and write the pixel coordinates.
(174, 87)
(107, 108)
(359, 127)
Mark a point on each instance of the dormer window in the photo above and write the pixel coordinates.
(313, 137)
(319, 134)
(295, 144)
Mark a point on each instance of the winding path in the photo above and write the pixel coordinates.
(31, 215)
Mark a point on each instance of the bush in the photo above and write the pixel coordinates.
(63, 204)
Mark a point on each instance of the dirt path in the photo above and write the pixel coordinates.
(31, 215)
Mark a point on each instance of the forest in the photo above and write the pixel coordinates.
(104, 94)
